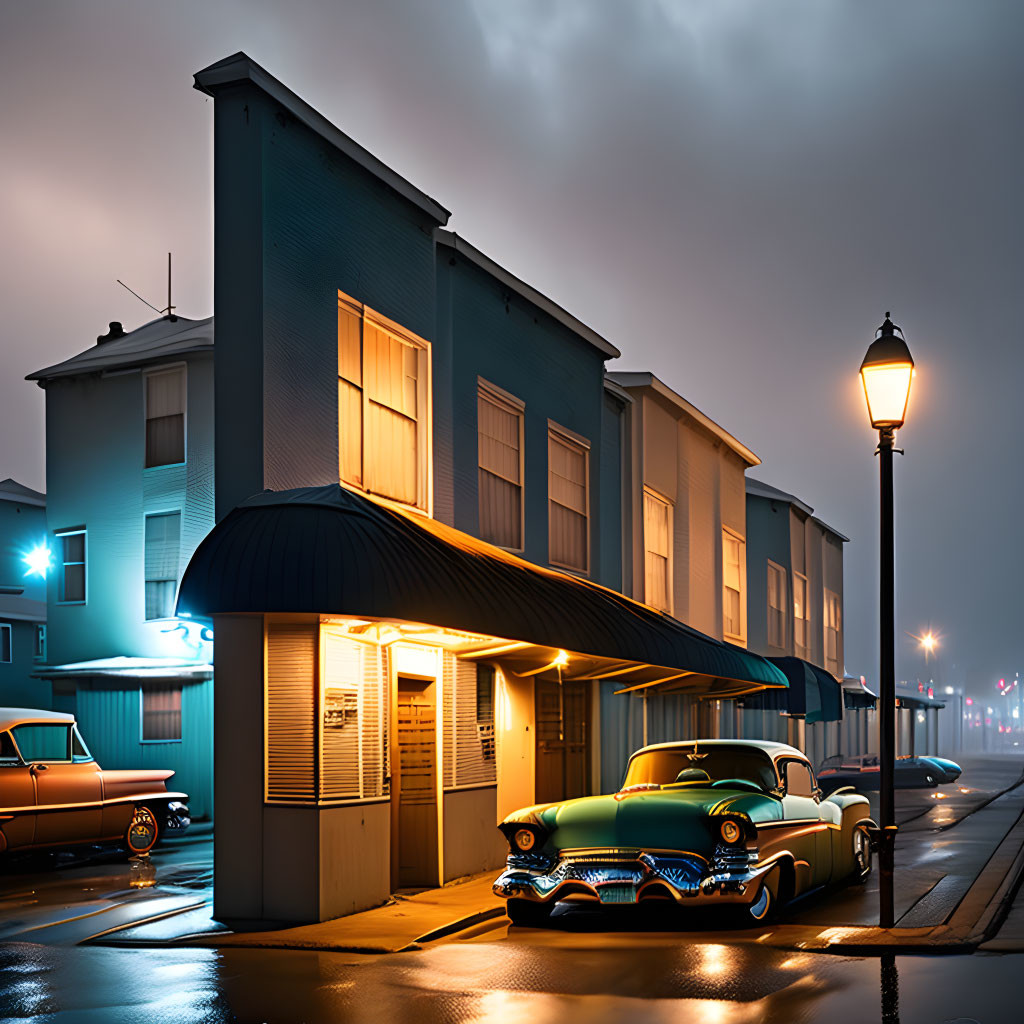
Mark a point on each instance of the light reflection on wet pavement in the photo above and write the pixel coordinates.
(594, 981)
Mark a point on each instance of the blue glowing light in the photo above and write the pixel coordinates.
(38, 561)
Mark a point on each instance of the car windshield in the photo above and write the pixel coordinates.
(720, 761)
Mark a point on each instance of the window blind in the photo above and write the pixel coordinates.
(291, 706)
(165, 417)
(499, 434)
(567, 504)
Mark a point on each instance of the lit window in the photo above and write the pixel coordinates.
(733, 579)
(40, 647)
(6, 651)
(833, 625)
(801, 617)
(500, 447)
(657, 551)
(165, 417)
(161, 712)
(383, 406)
(776, 605)
(568, 501)
(163, 540)
(71, 587)
(485, 710)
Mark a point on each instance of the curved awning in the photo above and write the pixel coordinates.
(332, 551)
(856, 695)
(813, 693)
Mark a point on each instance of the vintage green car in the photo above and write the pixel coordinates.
(708, 823)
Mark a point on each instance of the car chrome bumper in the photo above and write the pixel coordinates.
(178, 818)
(732, 876)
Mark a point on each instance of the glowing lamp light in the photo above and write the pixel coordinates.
(886, 374)
(561, 658)
(38, 561)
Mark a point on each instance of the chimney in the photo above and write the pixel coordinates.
(116, 331)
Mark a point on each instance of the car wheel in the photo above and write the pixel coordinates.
(143, 831)
(766, 903)
(528, 913)
(861, 856)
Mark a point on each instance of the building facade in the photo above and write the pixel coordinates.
(795, 606)
(24, 559)
(684, 553)
(129, 467)
(395, 391)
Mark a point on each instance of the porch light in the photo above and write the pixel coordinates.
(37, 560)
(886, 374)
(561, 659)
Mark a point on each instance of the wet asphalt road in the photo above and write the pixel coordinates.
(515, 981)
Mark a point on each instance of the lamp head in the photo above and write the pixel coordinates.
(886, 374)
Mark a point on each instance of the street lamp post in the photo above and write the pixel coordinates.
(886, 374)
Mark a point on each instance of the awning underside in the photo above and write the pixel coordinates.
(331, 551)
(813, 694)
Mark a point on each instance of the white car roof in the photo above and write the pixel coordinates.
(770, 747)
(10, 717)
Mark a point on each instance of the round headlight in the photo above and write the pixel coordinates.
(731, 831)
(524, 839)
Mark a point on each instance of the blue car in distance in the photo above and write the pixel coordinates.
(863, 772)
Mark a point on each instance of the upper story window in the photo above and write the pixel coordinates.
(500, 448)
(71, 584)
(657, 551)
(734, 578)
(801, 617)
(776, 605)
(833, 625)
(40, 646)
(165, 417)
(568, 499)
(383, 406)
(163, 544)
(6, 644)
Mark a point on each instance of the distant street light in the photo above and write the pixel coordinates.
(886, 374)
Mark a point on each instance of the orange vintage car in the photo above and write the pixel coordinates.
(53, 793)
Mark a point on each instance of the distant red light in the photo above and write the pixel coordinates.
(920, 687)
(969, 700)
(988, 721)
(931, 692)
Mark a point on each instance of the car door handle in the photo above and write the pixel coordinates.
(39, 768)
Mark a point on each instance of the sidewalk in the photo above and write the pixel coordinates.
(401, 924)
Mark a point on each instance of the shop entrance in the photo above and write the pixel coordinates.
(563, 739)
(414, 787)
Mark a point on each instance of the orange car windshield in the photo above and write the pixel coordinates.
(661, 767)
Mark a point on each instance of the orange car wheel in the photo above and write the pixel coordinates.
(143, 831)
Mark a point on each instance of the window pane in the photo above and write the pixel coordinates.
(165, 418)
(390, 464)
(42, 742)
(7, 751)
(498, 439)
(500, 511)
(74, 583)
(349, 355)
(568, 538)
(74, 547)
(163, 535)
(732, 622)
(159, 599)
(350, 433)
(161, 712)
(567, 493)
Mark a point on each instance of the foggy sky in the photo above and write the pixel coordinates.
(732, 192)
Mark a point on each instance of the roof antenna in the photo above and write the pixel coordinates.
(169, 309)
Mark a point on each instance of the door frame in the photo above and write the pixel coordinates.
(413, 667)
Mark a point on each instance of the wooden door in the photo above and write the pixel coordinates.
(562, 713)
(414, 785)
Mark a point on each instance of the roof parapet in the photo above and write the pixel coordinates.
(240, 67)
